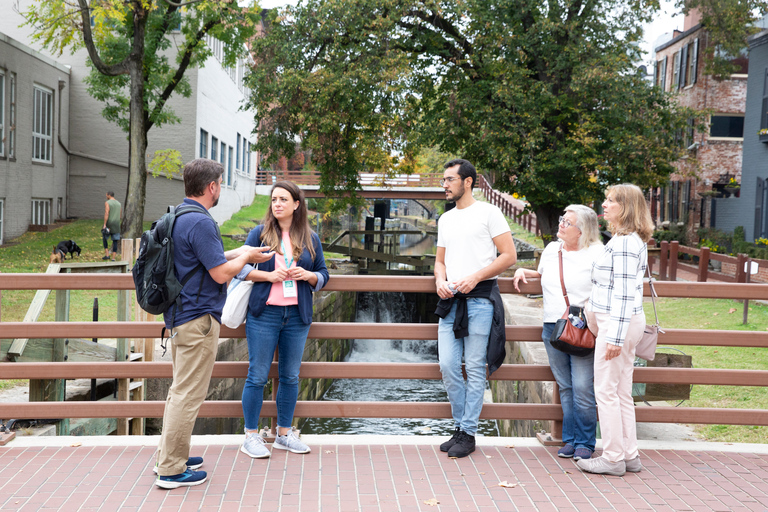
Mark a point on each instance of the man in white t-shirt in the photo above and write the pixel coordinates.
(470, 310)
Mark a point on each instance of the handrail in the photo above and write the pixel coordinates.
(423, 284)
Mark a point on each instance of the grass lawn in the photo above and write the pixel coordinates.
(723, 314)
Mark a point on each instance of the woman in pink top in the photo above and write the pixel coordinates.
(280, 313)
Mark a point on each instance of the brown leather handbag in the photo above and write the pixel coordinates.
(576, 341)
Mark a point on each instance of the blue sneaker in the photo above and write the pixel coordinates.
(192, 463)
(185, 479)
(566, 451)
(582, 453)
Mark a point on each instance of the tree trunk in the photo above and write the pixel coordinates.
(135, 196)
(547, 218)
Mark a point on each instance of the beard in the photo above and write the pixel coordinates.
(455, 196)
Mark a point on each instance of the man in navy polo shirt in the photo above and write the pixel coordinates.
(195, 329)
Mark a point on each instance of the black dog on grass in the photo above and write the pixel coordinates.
(67, 246)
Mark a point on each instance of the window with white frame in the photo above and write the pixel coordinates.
(229, 166)
(214, 147)
(245, 156)
(41, 211)
(203, 143)
(42, 125)
(223, 154)
(237, 154)
(248, 168)
(2, 112)
(12, 117)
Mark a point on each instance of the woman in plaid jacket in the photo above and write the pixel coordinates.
(616, 308)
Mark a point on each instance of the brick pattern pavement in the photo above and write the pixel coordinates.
(384, 478)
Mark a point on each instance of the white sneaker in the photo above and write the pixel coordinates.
(601, 466)
(254, 446)
(291, 443)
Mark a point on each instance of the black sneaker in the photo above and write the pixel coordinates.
(465, 445)
(452, 441)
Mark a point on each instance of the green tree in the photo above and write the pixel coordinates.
(543, 97)
(128, 44)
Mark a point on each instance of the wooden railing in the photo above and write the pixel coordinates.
(739, 266)
(322, 330)
(516, 213)
(306, 177)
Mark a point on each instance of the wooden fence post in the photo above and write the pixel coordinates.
(673, 252)
(663, 259)
(703, 264)
(741, 275)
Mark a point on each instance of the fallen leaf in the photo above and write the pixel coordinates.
(732, 310)
(568, 473)
(75, 445)
(489, 456)
(432, 502)
(715, 314)
(407, 481)
(328, 451)
(510, 446)
(483, 472)
(506, 484)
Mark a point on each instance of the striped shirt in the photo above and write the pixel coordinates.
(617, 284)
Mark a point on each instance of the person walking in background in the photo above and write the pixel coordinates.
(616, 308)
(195, 328)
(111, 228)
(280, 313)
(470, 308)
(579, 240)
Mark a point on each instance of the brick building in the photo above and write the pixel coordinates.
(714, 157)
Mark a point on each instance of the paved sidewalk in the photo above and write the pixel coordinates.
(377, 473)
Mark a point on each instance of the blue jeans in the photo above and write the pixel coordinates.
(276, 327)
(575, 378)
(466, 397)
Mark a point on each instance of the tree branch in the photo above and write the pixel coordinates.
(113, 70)
(185, 60)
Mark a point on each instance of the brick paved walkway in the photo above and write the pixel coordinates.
(107, 474)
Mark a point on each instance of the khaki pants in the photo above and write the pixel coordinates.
(193, 351)
(613, 391)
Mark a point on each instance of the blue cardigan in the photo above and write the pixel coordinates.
(260, 291)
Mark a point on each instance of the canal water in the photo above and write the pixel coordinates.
(388, 308)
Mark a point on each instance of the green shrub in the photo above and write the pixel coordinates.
(674, 233)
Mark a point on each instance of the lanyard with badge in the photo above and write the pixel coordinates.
(289, 287)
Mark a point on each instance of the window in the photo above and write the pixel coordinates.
(42, 122)
(245, 156)
(2, 112)
(229, 166)
(661, 74)
(214, 147)
(12, 118)
(41, 211)
(237, 156)
(692, 61)
(676, 72)
(2, 208)
(203, 143)
(248, 168)
(724, 125)
(764, 113)
(223, 154)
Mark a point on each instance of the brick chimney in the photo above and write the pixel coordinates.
(692, 19)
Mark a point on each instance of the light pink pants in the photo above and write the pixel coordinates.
(613, 391)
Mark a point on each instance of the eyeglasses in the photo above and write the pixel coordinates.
(450, 179)
(564, 222)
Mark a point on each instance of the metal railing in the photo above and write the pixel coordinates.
(322, 330)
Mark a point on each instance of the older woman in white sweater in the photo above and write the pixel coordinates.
(579, 238)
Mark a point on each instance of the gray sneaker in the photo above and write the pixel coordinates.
(255, 446)
(633, 465)
(601, 466)
(291, 443)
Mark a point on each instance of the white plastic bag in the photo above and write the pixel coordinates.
(236, 306)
